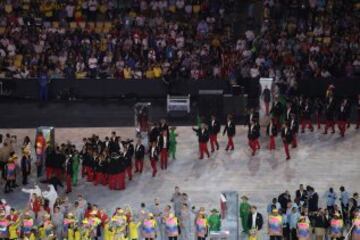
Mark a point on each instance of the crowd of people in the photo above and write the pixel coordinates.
(99, 39)
(171, 38)
(285, 117)
(48, 216)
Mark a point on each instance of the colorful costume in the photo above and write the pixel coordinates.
(149, 228)
(171, 226)
(75, 168)
(355, 235)
(172, 143)
(201, 227)
(303, 231)
(275, 225)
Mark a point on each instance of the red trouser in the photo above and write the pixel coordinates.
(119, 181)
(203, 149)
(214, 142)
(163, 158)
(100, 178)
(68, 183)
(90, 174)
(294, 141)
(129, 172)
(49, 172)
(286, 147)
(254, 145)
(139, 165)
(266, 108)
(329, 124)
(230, 143)
(57, 172)
(153, 163)
(318, 120)
(342, 127)
(307, 122)
(272, 143)
(111, 181)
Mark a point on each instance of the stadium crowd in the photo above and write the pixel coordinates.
(170, 38)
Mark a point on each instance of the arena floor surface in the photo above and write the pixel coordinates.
(320, 160)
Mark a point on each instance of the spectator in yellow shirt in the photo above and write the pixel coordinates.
(157, 71)
(133, 228)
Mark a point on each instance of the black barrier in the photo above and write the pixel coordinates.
(112, 88)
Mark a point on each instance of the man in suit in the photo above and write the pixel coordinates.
(253, 136)
(203, 137)
(214, 129)
(154, 133)
(276, 111)
(266, 94)
(252, 115)
(294, 128)
(306, 112)
(343, 113)
(230, 130)
(301, 195)
(286, 136)
(271, 131)
(290, 109)
(163, 146)
(139, 156)
(255, 221)
(153, 158)
(329, 114)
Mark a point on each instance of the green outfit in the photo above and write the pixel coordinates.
(214, 222)
(75, 168)
(172, 143)
(244, 215)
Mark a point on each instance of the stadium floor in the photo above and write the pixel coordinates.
(320, 160)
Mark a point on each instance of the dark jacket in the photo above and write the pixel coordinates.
(294, 126)
(154, 134)
(229, 129)
(161, 144)
(139, 152)
(273, 130)
(330, 110)
(258, 222)
(214, 129)
(203, 135)
(306, 111)
(266, 95)
(154, 154)
(286, 137)
(254, 131)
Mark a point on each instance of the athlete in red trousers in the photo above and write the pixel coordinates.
(294, 128)
(276, 112)
(139, 156)
(319, 107)
(214, 129)
(343, 113)
(129, 152)
(253, 136)
(68, 172)
(358, 112)
(163, 146)
(203, 137)
(329, 115)
(272, 132)
(230, 130)
(306, 113)
(153, 158)
(286, 136)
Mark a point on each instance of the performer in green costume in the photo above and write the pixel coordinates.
(214, 221)
(172, 142)
(244, 213)
(75, 166)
